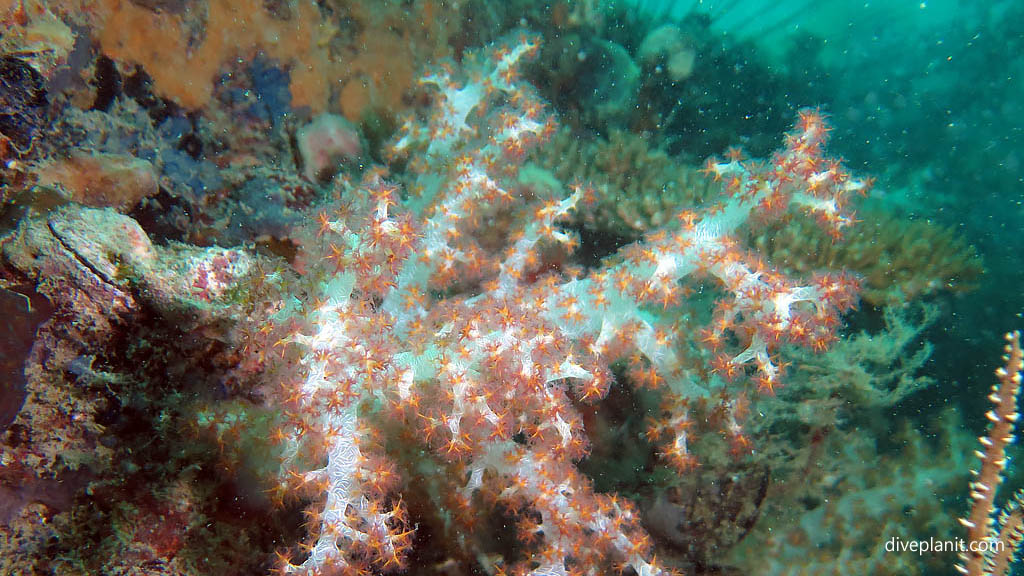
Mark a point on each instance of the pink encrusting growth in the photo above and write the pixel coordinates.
(490, 381)
(325, 144)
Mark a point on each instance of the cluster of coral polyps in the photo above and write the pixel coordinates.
(409, 318)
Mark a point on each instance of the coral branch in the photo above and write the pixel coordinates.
(415, 317)
(993, 539)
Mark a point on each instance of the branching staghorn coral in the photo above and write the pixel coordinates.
(636, 188)
(898, 260)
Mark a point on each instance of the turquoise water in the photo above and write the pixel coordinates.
(484, 288)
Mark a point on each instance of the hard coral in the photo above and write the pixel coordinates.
(898, 260)
(636, 188)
